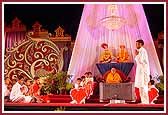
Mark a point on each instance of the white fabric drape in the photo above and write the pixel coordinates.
(91, 35)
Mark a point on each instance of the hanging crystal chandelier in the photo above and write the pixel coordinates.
(113, 22)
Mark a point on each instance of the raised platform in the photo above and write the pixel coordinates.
(93, 104)
(82, 107)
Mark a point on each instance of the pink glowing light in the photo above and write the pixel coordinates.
(91, 35)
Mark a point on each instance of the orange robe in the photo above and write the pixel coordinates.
(106, 56)
(123, 56)
(113, 78)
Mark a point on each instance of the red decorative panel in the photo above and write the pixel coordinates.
(33, 56)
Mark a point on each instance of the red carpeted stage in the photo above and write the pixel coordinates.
(84, 107)
(92, 104)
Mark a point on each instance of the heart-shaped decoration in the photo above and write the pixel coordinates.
(89, 88)
(153, 94)
(78, 94)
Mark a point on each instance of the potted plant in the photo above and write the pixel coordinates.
(56, 84)
(69, 86)
(160, 85)
(61, 79)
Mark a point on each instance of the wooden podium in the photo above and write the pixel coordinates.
(118, 91)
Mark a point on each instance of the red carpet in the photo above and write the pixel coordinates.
(92, 104)
(84, 105)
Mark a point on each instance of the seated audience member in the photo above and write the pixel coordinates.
(27, 87)
(17, 95)
(78, 87)
(83, 81)
(36, 87)
(113, 77)
(78, 83)
(90, 76)
(106, 56)
(86, 75)
(153, 92)
(6, 89)
(9, 88)
(122, 55)
(35, 90)
(14, 81)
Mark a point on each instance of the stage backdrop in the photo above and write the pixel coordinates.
(116, 25)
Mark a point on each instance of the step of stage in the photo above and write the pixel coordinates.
(59, 96)
(68, 99)
(68, 96)
(60, 100)
(82, 107)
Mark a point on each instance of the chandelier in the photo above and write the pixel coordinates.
(113, 22)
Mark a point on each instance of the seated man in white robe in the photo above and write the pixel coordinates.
(17, 93)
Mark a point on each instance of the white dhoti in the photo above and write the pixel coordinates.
(27, 99)
(22, 98)
(17, 96)
(144, 95)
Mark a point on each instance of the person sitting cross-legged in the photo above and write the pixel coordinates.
(113, 77)
(106, 56)
(78, 91)
(153, 92)
(123, 54)
(17, 92)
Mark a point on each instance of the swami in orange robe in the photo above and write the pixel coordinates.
(113, 77)
(106, 56)
(122, 55)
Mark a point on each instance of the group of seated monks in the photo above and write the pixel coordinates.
(107, 55)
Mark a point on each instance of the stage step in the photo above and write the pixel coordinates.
(67, 99)
(92, 99)
(59, 96)
(60, 100)
(82, 107)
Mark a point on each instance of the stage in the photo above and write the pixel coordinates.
(92, 104)
(82, 107)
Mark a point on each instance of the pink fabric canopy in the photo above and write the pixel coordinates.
(91, 34)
